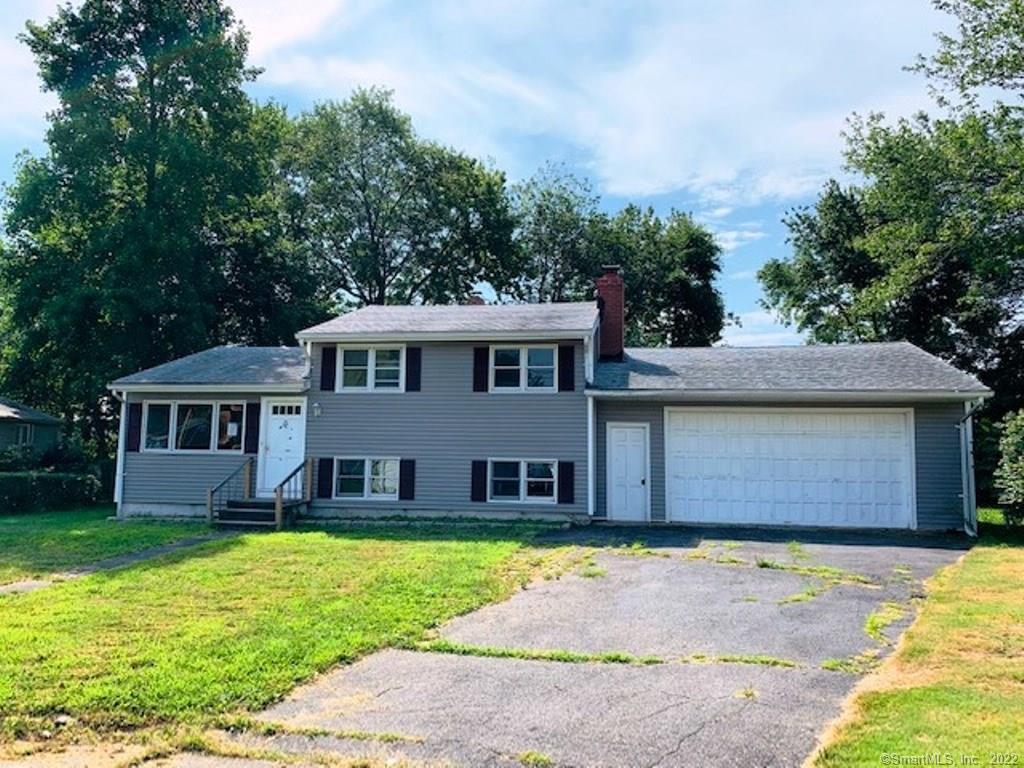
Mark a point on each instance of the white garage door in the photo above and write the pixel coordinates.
(850, 468)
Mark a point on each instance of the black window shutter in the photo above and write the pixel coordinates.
(134, 433)
(252, 427)
(566, 368)
(478, 484)
(566, 482)
(481, 361)
(407, 479)
(324, 478)
(413, 367)
(328, 368)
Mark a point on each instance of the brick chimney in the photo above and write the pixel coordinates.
(612, 303)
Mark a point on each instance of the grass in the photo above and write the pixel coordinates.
(956, 682)
(534, 654)
(40, 544)
(879, 619)
(233, 624)
(741, 658)
(534, 759)
(826, 572)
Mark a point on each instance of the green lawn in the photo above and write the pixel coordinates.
(956, 685)
(37, 545)
(233, 624)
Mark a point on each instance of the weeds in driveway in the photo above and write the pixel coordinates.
(441, 645)
(797, 551)
(534, 759)
(746, 693)
(592, 571)
(879, 619)
(741, 658)
(826, 572)
(247, 724)
(861, 664)
(809, 592)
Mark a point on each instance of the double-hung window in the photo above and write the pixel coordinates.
(522, 480)
(523, 369)
(25, 434)
(193, 426)
(365, 369)
(365, 478)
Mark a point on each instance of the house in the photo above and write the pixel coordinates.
(21, 426)
(539, 411)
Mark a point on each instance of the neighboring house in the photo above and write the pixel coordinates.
(21, 426)
(538, 411)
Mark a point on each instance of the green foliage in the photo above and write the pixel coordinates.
(1009, 474)
(30, 490)
(392, 218)
(150, 228)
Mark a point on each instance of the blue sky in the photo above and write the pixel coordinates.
(728, 109)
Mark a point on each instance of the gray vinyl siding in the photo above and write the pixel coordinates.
(936, 449)
(446, 426)
(939, 466)
(178, 478)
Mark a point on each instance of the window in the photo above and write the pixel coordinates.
(522, 480)
(25, 434)
(193, 427)
(366, 478)
(519, 369)
(158, 426)
(285, 410)
(188, 426)
(372, 368)
(229, 427)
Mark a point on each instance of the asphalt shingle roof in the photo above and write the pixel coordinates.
(879, 367)
(566, 317)
(245, 366)
(12, 410)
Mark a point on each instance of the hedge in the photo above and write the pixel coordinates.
(1010, 472)
(26, 491)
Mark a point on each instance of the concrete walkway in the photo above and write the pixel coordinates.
(109, 564)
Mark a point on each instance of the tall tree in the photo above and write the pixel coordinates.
(149, 228)
(670, 267)
(554, 213)
(392, 218)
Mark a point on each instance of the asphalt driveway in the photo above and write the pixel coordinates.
(754, 642)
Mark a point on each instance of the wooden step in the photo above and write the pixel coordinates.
(245, 515)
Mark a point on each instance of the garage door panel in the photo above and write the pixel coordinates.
(804, 467)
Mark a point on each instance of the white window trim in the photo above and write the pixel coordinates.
(29, 432)
(524, 353)
(371, 369)
(367, 495)
(173, 427)
(523, 498)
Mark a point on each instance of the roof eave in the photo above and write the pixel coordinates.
(179, 388)
(792, 396)
(400, 338)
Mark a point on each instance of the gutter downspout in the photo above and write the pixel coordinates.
(970, 501)
(590, 456)
(119, 468)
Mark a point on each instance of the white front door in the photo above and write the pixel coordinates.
(283, 441)
(628, 468)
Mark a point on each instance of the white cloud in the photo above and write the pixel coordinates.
(272, 27)
(24, 103)
(731, 239)
(743, 274)
(759, 329)
(735, 102)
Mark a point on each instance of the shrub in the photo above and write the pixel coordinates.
(1009, 475)
(18, 459)
(26, 491)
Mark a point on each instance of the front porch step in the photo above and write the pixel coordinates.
(246, 515)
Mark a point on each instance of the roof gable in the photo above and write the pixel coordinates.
(242, 367)
(11, 410)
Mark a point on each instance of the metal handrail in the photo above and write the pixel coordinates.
(296, 486)
(228, 486)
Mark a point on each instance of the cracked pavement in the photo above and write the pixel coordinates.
(483, 711)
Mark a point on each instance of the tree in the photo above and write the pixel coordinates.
(987, 50)
(554, 213)
(392, 218)
(670, 268)
(150, 228)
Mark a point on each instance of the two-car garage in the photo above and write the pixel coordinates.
(843, 467)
